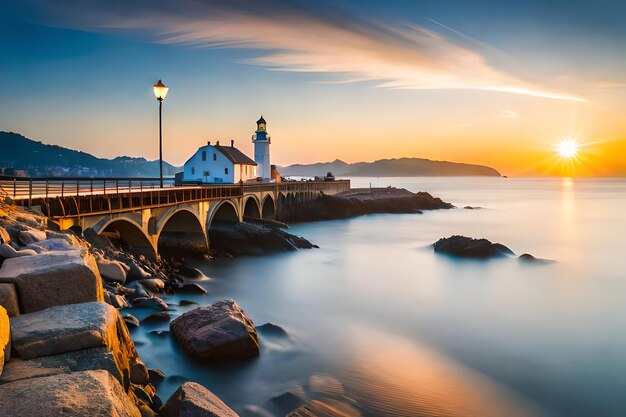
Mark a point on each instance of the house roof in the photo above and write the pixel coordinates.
(235, 155)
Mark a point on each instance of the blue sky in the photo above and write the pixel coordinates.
(355, 80)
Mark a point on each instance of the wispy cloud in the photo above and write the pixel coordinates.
(509, 114)
(290, 36)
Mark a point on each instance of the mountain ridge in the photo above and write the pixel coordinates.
(390, 167)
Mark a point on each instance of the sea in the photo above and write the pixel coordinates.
(379, 325)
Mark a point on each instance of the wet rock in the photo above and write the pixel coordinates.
(5, 338)
(138, 291)
(4, 235)
(187, 303)
(131, 320)
(74, 361)
(53, 278)
(77, 394)
(220, 331)
(270, 329)
(150, 302)
(7, 252)
(188, 272)
(157, 317)
(466, 247)
(528, 258)
(155, 375)
(27, 237)
(51, 245)
(192, 288)
(254, 239)
(8, 299)
(72, 327)
(112, 271)
(116, 300)
(152, 284)
(139, 372)
(287, 402)
(193, 400)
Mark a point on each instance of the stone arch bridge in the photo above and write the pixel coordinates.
(154, 220)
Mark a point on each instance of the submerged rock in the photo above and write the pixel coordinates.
(270, 329)
(220, 331)
(193, 400)
(467, 247)
(255, 239)
(528, 258)
(157, 317)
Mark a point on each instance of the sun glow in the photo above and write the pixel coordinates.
(567, 148)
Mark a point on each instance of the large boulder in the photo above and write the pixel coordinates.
(53, 278)
(193, 400)
(77, 394)
(63, 363)
(466, 247)
(216, 332)
(5, 338)
(72, 327)
(8, 299)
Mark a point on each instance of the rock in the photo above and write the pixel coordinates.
(150, 302)
(528, 258)
(191, 288)
(72, 327)
(187, 303)
(131, 320)
(157, 317)
(317, 408)
(5, 338)
(7, 252)
(253, 239)
(4, 235)
(273, 330)
(116, 300)
(285, 403)
(156, 375)
(138, 291)
(193, 400)
(220, 331)
(112, 271)
(191, 273)
(63, 363)
(466, 247)
(27, 237)
(77, 394)
(152, 284)
(51, 245)
(8, 299)
(139, 373)
(54, 278)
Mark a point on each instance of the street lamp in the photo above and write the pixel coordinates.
(160, 91)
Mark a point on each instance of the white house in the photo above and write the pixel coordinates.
(219, 164)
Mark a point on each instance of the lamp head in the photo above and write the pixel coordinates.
(160, 90)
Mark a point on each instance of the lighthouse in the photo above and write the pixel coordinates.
(262, 141)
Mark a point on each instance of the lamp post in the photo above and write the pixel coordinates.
(160, 91)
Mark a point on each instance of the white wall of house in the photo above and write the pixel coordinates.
(209, 165)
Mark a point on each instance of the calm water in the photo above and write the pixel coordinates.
(379, 325)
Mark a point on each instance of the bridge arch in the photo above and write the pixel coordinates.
(268, 208)
(181, 232)
(130, 235)
(251, 207)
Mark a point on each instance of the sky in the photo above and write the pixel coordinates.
(486, 82)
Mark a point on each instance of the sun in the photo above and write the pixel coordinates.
(567, 148)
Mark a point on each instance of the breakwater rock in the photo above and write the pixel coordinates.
(360, 201)
(467, 247)
(236, 239)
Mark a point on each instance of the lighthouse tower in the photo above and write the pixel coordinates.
(262, 141)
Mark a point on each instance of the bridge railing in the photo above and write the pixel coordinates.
(26, 188)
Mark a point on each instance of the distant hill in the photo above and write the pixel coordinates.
(38, 159)
(402, 167)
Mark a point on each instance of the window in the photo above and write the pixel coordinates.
(226, 171)
(204, 155)
(206, 173)
(193, 171)
(215, 157)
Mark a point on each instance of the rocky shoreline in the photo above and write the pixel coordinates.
(65, 349)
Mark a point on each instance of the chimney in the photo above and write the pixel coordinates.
(217, 143)
(232, 143)
(208, 142)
